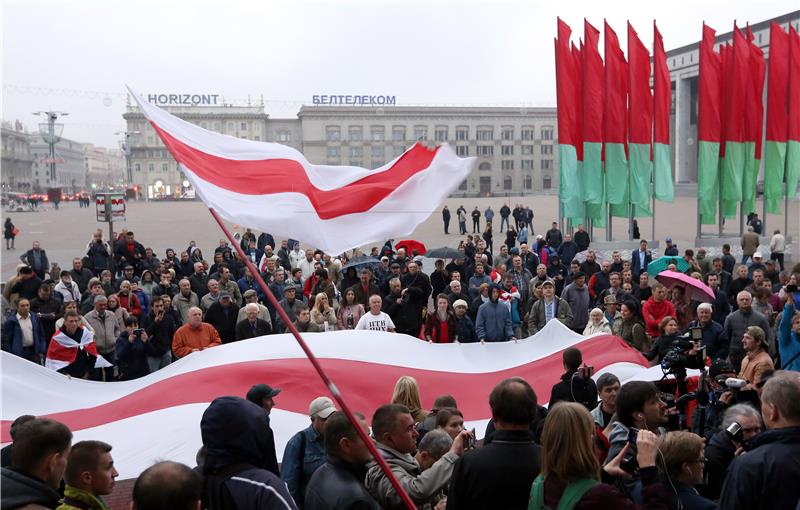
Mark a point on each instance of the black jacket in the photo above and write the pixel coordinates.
(223, 320)
(574, 389)
(338, 485)
(499, 475)
(199, 284)
(131, 358)
(160, 333)
(244, 331)
(20, 490)
(719, 452)
(766, 477)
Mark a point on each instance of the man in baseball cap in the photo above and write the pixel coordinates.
(262, 395)
(305, 451)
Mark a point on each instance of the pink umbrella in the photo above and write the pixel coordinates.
(695, 289)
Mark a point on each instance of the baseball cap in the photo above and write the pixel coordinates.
(249, 292)
(548, 282)
(460, 302)
(577, 275)
(720, 366)
(261, 391)
(668, 240)
(224, 294)
(757, 255)
(610, 299)
(289, 286)
(322, 407)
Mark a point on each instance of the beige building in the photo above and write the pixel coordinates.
(105, 168)
(70, 165)
(17, 161)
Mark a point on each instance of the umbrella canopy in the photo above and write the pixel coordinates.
(362, 261)
(660, 264)
(695, 289)
(580, 257)
(410, 245)
(444, 252)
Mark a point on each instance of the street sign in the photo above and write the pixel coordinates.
(110, 207)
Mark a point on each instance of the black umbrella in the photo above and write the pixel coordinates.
(444, 252)
(362, 261)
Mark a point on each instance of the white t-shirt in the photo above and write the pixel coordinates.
(372, 322)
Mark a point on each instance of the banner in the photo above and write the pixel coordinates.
(777, 117)
(662, 100)
(593, 105)
(640, 125)
(615, 130)
(709, 127)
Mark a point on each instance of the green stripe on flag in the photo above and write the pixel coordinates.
(662, 178)
(641, 169)
(569, 184)
(733, 171)
(774, 164)
(749, 177)
(597, 212)
(792, 166)
(592, 175)
(708, 164)
(616, 174)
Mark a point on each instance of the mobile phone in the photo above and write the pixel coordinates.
(586, 371)
(471, 440)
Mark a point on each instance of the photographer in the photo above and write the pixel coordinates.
(719, 398)
(131, 353)
(670, 340)
(682, 455)
(576, 384)
(722, 446)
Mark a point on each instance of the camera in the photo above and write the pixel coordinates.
(734, 432)
(585, 372)
(137, 333)
(629, 463)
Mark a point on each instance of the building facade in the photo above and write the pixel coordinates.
(105, 168)
(684, 68)
(17, 161)
(70, 165)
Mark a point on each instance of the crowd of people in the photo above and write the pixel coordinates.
(152, 310)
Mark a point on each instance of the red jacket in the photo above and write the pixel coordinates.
(131, 303)
(657, 310)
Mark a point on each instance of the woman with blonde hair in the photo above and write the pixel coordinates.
(570, 468)
(115, 308)
(406, 392)
(322, 314)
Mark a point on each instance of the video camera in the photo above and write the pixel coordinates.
(677, 359)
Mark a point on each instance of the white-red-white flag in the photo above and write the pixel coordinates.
(272, 187)
(63, 350)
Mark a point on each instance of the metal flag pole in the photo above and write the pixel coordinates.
(608, 218)
(315, 363)
(653, 225)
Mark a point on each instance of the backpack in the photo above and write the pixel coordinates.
(569, 498)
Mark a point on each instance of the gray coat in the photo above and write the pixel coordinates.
(579, 304)
(737, 322)
(106, 330)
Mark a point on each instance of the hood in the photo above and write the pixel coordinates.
(619, 434)
(394, 458)
(500, 291)
(19, 490)
(234, 431)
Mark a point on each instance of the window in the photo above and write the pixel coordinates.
(462, 150)
(547, 150)
(547, 132)
(420, 132)
(507, 133)
(151, 167)
(284, 135)
(355, 134)
(398, 150)
(137, 167)
(332, 133)
(441, 133)
(547, 164)
(507, 183)
(378, 152)
(485, 133)
(463, 185)
(334, 152)
(398, 133)
(485, 166)
(507, 150)
(547, 182)
(356, 152)
(243, 127)
(507, 164)
(527, 133)
(462, 133)
(528, 182)
(527, 150)
(230, 126)
(165, 167)
(485, 150)
(377, 134)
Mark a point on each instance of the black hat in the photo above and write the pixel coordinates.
(720, 366)
(259, 392)
(577, 275)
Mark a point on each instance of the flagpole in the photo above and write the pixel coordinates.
(334, 390)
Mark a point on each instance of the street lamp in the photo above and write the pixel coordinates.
(51, 134)
(126, 149)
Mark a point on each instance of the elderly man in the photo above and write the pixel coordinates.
(222, 315)
(737, 323)
(212, 296)
(195, 335)
(184, 299)
(252, 325)
(105, 325)
(199, 280)
(250, 296)
(714, 338)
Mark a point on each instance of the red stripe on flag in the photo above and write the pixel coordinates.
(778, 84)
(662, 89)
(368, 385)
(794, 85)
(616, 80)
(736, 80)
(270, 176)
(640, 100)
(593, 86)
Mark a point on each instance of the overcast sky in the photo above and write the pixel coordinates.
(77, 56)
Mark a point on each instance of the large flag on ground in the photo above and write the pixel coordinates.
(777, 117)
(709, 127)
(157, 417)
(754, 124)
(640, 125)
(569, 133)
(63, 350)
(737, 76)
(793, 144)
(615, 129)
(662, 99)
(593, 103)
(272, 187)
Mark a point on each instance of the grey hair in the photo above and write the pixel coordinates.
(783, 391)
(735, 412)
(394, 279)
(100, 299)
(705, 306)
(437, 442)
(251, 306)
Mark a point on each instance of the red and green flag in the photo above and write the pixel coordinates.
(754, 124)
(615, 125)
(777, 117)
(640, 123)
(793, 143)
(737, 77)
(709, 126)
(593, 103)
(662, 98)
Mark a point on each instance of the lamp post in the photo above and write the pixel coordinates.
(126, 149)
(51, 134)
